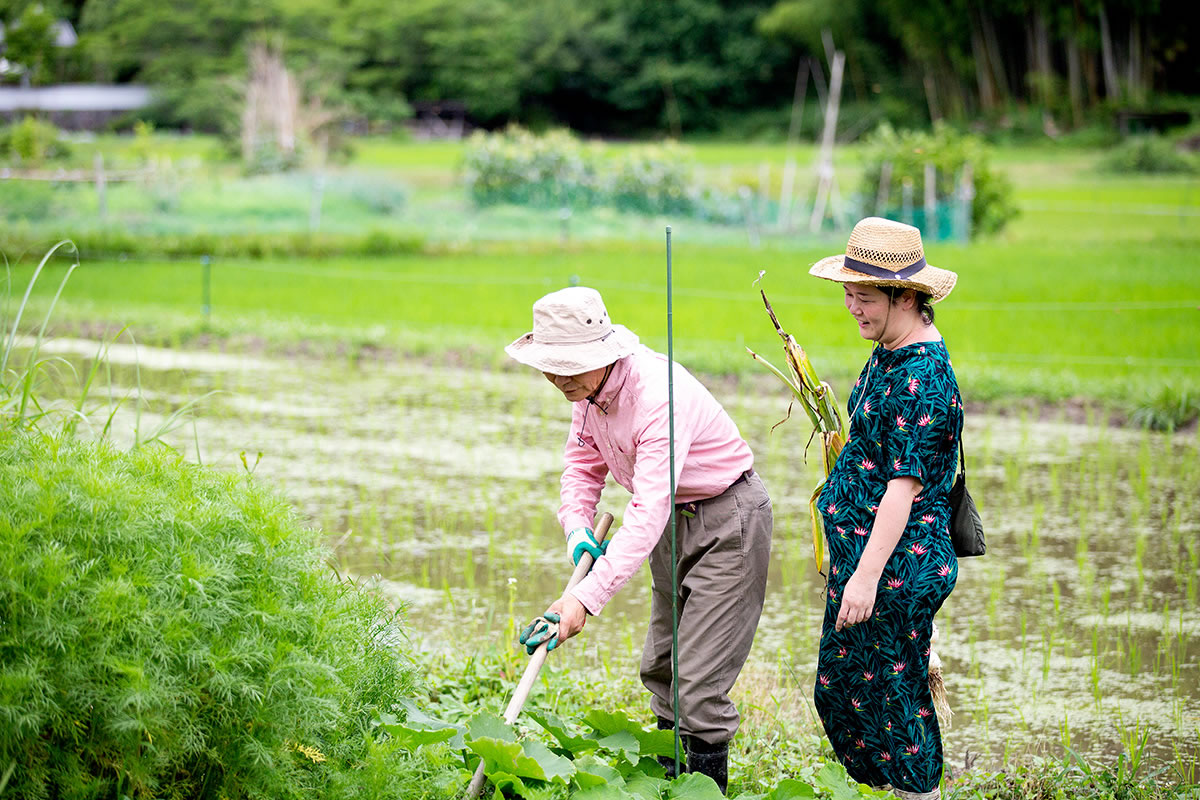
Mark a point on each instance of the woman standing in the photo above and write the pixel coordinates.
(886, 510)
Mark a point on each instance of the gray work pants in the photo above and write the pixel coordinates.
(723, 554)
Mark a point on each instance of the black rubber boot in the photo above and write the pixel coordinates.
(709, 759)
(668, 762)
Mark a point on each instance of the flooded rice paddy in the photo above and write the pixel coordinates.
(1079, 629)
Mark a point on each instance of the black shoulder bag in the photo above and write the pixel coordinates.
(966, 528)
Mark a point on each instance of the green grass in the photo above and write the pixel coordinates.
(1042, 318)
(1094, 290)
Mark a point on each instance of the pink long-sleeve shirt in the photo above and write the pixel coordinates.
(625, 432)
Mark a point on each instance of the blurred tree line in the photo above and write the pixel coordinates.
(635, 66)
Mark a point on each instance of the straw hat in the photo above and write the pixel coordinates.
(572, 334)
(882, 252)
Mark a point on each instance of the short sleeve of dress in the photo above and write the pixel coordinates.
(916, 421)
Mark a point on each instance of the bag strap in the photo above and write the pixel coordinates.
(962, 456)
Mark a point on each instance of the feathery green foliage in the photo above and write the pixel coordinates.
(169, 631)
(173, 632)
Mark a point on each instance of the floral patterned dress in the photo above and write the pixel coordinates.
(872, 690)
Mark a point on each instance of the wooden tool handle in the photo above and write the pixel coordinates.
(521, 694)
(539, 656)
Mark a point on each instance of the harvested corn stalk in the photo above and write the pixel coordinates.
(820, 403)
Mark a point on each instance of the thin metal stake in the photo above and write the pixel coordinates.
(674, 556)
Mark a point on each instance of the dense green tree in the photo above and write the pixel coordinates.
(667, 66)
(428, 50)
(857, 27)
(642, 66)
(29, 42)
(192, 52)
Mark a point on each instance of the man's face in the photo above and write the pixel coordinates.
(577, 387)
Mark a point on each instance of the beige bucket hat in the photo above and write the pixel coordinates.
(882, 252)
(572, 334)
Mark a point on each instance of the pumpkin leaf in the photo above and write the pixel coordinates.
(624, 743)
(791, 789)
(500, 756)
(604, 791)
(486, 725)
(554, 767)
(576, 745)
(833, 778)
(418, 728)
(607, 723)
(504, 780)
(646, 787)
(693, 786)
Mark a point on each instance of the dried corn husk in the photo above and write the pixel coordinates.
(820, 404)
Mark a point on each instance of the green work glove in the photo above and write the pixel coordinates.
(544, 628)
(583, 540)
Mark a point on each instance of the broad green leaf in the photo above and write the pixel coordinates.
(604, 791)
(486, 725)
(646, 765)
(833, 778)
(555, 767)
(693, 786)
(415, 716)
(419, 728)
(624, 743)
(412, 738)
(791, 789)
(505, 780)
(658, 743)
(590, 771)
(575, 745)
(500, 756)
(607, 723)
(646, 787)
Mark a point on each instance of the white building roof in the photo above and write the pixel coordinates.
(74, 97)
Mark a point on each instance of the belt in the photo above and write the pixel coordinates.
(689, 509)
(742, 478)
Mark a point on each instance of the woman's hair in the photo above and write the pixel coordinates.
(924, 307)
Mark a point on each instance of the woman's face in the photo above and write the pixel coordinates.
(869, 307)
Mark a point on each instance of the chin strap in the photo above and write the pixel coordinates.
(591, 398)
(591, 401)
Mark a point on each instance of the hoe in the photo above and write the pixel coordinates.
(521, 694)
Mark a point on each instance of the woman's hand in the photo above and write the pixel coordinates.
(858, 599)
(572, 616)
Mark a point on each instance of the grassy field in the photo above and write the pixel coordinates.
(1093, 291)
